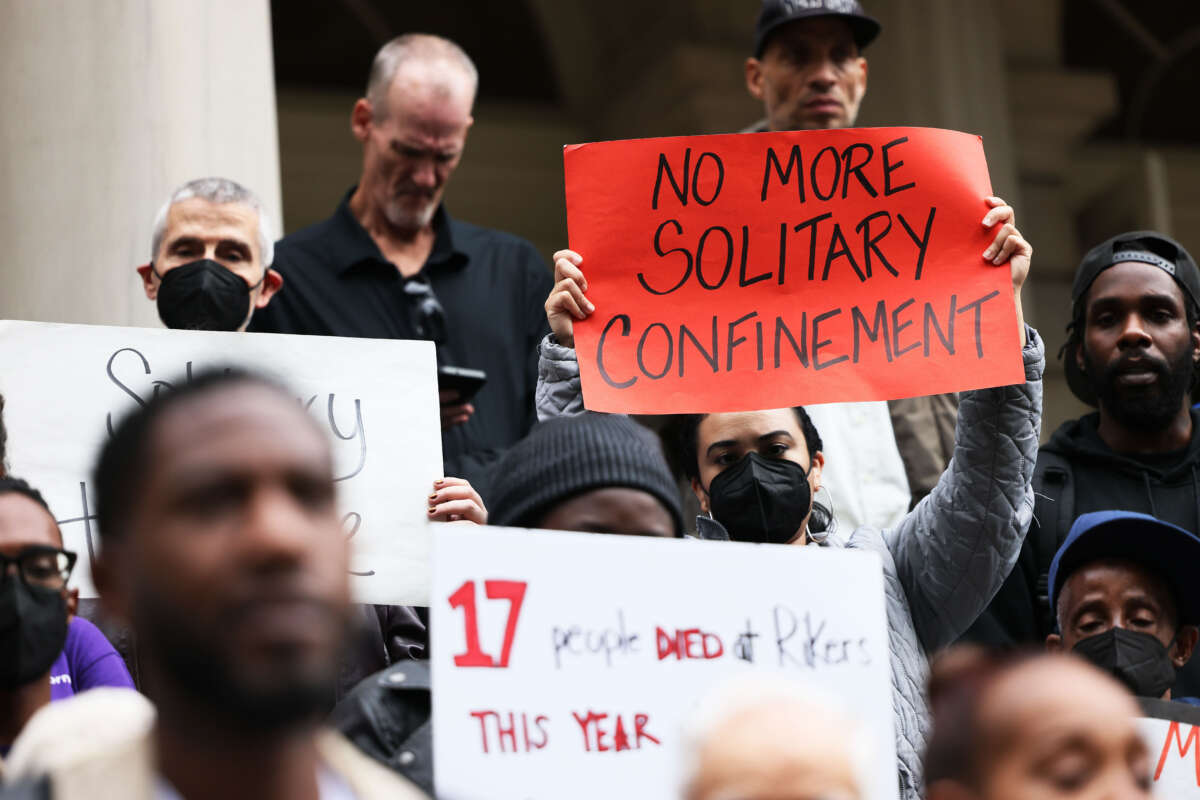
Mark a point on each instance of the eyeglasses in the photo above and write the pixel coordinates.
(44, 567)
(429, 318)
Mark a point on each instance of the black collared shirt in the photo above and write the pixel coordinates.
(492, 285)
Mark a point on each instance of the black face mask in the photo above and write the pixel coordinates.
(203, 296)
(1138, 660)
(33, 628)
(761, 499)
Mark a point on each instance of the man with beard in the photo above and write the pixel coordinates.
(392, 264)
(1132, 348)
(222, 546)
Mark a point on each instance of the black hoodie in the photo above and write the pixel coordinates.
(1165, 485)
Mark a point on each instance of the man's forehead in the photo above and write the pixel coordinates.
(430, 103)
(1077, 692)
(1133, 278)
(24, 522)
(1112, 573)
(196, 216)
(233, 424)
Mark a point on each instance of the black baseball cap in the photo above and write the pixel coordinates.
(1147, 247)
(780, 12)
(1163, 548)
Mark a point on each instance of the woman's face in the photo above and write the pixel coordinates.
(1057, 729)
(724, 439)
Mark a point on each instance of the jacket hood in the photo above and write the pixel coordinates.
(1079, 439)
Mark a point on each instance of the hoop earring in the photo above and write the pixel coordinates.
(820, 537)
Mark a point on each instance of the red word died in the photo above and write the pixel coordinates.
(689, 643)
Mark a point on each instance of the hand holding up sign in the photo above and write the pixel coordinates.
(567, 302)
(1009, 246)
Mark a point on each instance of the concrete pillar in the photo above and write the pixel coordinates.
(1054, 109)
(940, 63)
(108, 106)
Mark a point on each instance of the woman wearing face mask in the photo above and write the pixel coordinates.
(1025, 727)
(756, 473)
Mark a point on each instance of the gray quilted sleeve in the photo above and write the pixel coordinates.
(958, 545)
(558, 392)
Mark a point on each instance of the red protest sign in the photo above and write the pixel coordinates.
(749, 271)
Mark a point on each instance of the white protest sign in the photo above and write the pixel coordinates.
(64, 385)
(566, 663)
(1174, 756)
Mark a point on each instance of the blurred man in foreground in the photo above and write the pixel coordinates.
(1040, 727)
(221, 545)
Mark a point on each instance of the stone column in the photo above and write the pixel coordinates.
(940, 63)
(108, 106)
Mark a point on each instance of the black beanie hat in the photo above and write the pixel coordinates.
(1149, 247)
(564, 457)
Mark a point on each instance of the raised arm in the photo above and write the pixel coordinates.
(558, 392)
(955, 548)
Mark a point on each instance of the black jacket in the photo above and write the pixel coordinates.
(1076, 473)
(492, 287)
(388, 717)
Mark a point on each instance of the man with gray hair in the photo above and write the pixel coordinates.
(211, 256)
(392, 264)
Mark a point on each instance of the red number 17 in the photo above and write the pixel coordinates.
(464, 598)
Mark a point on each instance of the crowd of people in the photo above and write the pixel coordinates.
(1033, 593)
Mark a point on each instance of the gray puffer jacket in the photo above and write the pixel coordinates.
(947, 558)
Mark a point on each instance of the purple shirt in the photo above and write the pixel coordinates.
(87, 660)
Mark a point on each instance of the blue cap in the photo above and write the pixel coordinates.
(1159, 546)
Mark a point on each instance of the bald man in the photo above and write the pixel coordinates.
(392, 264)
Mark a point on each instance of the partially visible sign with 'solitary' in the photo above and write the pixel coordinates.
(765, 270)
(65, 385)
(567, 663)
